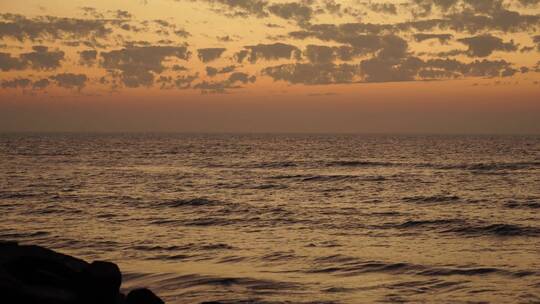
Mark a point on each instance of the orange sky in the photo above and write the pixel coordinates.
(428, 66)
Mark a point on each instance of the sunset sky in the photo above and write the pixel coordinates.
(427, 66)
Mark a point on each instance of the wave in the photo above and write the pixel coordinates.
(360, 163)
(350, 266)
(12, 195)
(495, 230)
(429, 223)
(432, 199)
(195, 202)
(522, 205)
(269, 186)
(461, 227)
(493, 166)
(204, 285)
(23, 235)
(274, 165)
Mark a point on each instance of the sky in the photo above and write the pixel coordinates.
(316, 66)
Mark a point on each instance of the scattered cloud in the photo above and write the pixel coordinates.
(138, 64)
(484, 45)
(70, 80)
(210, 54)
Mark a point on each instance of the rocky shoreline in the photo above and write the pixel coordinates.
(33, 274)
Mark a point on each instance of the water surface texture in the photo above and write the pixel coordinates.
(286, 218)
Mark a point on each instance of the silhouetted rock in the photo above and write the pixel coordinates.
(33, 274)
(142, 296)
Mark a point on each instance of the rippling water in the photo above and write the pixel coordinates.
(297, 218)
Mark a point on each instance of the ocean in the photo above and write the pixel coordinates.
(274, 218)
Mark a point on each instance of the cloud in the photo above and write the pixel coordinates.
(292, 10)
(529, 2)
(41, 84)
(268, 52)
(22, 28)
(385, 8)
(88, 57)
(312, 74)
(380, 69)
(241, 77)
(137, 64)
(42, 58)
(121, 14)
(16, 83)
(319, 54)
(443, 38)
(536, 39)
(477, 68)
(222, 86)
(484, 45)
(210, 54)
(39, 59)
(24, 83)
(8, 62)
(243, 8)
(70, 80)
(178, 68)
(211, 71)
(184, 82)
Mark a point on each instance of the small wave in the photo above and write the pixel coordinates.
(360, 163)
(195, 202)
(12, 195)
(496, 230)
(23, 235)
(491, 166)
(278, 257)
(432, 199)
(269, 186)
(183, 282)
(522, 205)
(350, 266)
(274, 165)
(329, 178)
(429, 223)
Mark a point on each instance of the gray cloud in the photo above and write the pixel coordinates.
(380, 70)
(137, 64)
(22, 28)
(16, 83)
(43, 59)
(23, 83)
(70, 80)
(40, 59)
(386, 8)
(268, 52)
(41, 84)
(8, 62)
(292, 10)
(312, 74)
(483, 46)
(121, 14)
(212, 71)
(222, 86)
(387, 69)
(443, 38)
(210, 54)
(536, 39)
(319, 53)
(88, 57)
(243, 8)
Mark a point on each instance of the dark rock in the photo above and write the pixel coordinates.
(33, 274)
(143, 296)
(103, 280)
